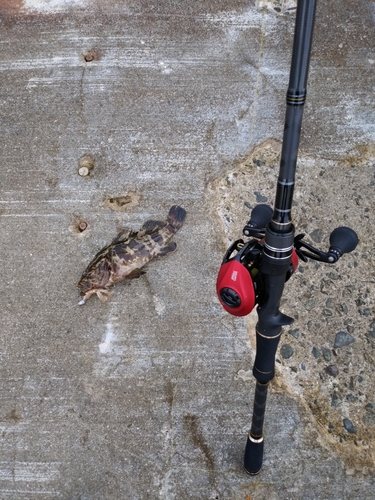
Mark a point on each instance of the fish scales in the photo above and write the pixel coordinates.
(136, 253)
(128, 253)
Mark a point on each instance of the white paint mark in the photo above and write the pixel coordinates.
(110, 352)
(166, 490)
(244, 375)
(159, 305)
(105, 347)
(29, 471)
(45, 6)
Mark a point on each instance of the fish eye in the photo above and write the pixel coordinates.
(84, 274)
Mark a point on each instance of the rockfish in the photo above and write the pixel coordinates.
(128, 253)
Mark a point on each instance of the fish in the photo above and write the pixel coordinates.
(125, 257)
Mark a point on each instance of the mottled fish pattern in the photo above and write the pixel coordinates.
(128, 253)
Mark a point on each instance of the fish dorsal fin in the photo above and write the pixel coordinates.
(150, 226)
(124, 235)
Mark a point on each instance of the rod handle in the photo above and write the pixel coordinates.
(253, 459)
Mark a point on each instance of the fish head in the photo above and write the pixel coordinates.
(95, 277)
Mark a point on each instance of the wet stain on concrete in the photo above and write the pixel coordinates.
(10, 6)
(13, 416)
(191, 422)
(169, 393)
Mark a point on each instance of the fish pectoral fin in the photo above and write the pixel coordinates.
(171, 247)
(123, 235)
(150, 226)
(103, 294)
(137, 273)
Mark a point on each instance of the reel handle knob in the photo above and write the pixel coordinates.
(342, 240)
(259, 218)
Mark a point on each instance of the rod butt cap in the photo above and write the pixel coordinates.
(253, 459)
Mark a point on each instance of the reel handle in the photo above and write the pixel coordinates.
(259, 218)
(342, 240)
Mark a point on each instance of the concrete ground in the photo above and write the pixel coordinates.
(149, 395)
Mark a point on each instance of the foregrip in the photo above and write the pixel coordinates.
(268, 328)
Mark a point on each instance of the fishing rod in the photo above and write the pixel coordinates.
(255, 272)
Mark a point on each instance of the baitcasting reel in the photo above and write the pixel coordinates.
(239, 281)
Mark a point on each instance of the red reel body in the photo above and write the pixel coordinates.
(294, 262)
(235, 285)
(235, 288)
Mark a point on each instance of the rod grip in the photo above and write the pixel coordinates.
(253, 459)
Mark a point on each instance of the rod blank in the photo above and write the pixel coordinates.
(279, 235)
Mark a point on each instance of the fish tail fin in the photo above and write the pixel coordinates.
(176, 216)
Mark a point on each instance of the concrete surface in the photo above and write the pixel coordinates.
(150, 394)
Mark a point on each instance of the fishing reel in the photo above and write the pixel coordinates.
(239, 281)
(236, 284)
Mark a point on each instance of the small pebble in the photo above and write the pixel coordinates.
(333, 276)
(286, 351)
(343, 339)
(259, 163)
(348, 424)
(369, 418)
(330, 303)
(315, 352)
(326, 354)
(260, 198)
(310, 304)
(344, 308)
(294, 333)
(316, 235)
(351, 398)
(335, 400)
(325, 286)
(332, 370)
